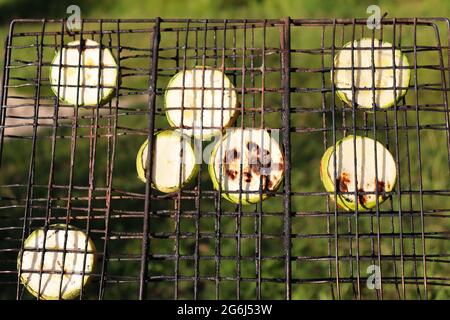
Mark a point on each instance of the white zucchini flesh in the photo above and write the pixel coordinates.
(76, 260)
(365, 174)
(84, 81)
(205, 111)
(248, 156)
(170, 150)
(383, 57)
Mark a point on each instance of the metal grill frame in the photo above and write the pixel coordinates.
(155, 31)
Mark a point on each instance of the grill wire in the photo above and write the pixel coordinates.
(192, 243)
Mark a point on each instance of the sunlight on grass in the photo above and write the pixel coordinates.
(313, 217)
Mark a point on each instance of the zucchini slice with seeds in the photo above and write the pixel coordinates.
(365, 175)
(251, 156)
(55, 265)
(384, 95)
(205, 111)
(84, 81)
(170, 149)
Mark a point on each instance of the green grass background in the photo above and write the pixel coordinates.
(314, 214)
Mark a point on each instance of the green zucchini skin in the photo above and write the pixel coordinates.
(329, 184)
(56, 73)
(400, 92)
(234, 197)
(206, 134)
(141, 171)
(69, 295)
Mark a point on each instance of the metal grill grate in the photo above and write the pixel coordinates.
(66, 164)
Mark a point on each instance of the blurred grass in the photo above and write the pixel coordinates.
(307, 148)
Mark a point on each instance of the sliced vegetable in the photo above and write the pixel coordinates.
(173, 156)
(384, 96)
(62, 271)
(365, 174)
(250, 157)
(205, 98)
(84, 82)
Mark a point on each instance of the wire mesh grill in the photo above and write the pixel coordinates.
(66, 164)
